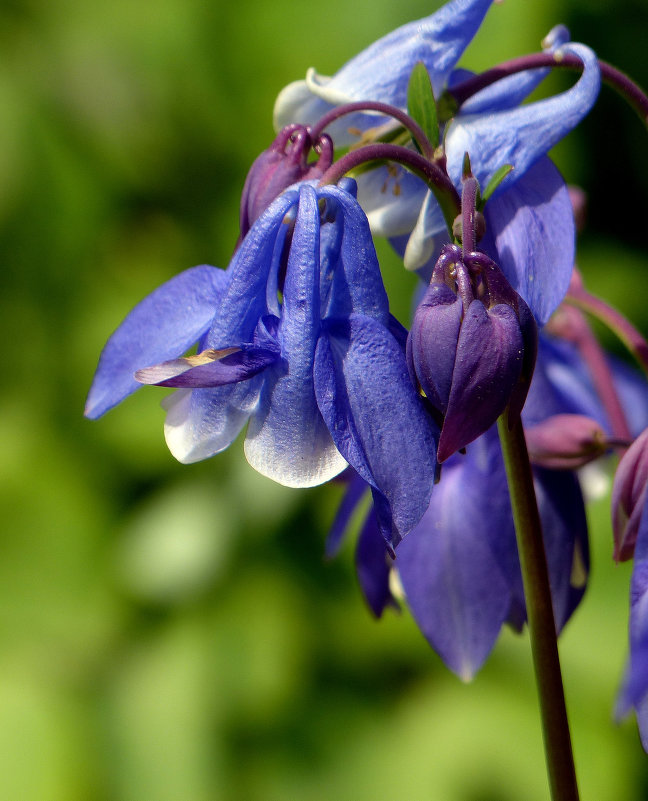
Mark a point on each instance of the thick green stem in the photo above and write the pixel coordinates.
(542, 628)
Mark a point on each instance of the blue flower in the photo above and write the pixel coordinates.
(491, 126)
(295, 340)
(459, 566)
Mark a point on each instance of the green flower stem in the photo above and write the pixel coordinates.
(542, 628)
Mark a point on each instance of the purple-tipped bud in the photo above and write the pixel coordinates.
(565, 441)
(472, 347)
(284, 163)
(629, 494)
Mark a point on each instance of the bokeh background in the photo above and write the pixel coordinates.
(173, 632)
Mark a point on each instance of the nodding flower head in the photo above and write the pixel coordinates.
(284, 163)
(472, 347)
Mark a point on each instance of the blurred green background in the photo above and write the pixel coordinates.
(172, 632)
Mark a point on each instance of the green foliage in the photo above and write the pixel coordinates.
(421, 104)
(172, 632)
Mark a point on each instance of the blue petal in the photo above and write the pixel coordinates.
(455, 565)
(287, 438)
(375, 416)
(530, 234)
(356, 281)
(391, 198)
(509, 92)
(164, 325)
(564, 527)
(373, 566)
(561, 384)
(356, 488)
(520, 136)
(253, 268)
(438, 41)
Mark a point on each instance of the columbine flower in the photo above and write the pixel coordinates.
(459, 566)
(310, 359)
(491, 126)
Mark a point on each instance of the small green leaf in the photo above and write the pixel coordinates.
(494, 182)
(421, 105)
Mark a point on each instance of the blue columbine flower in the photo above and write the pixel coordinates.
(459, 566)
(491, 126)
(296, 340)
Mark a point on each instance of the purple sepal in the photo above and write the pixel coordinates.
(458, 564)
(537, 264)
(629, 494)
(432, 344)
(487, 368)
(373, 566)
(356, 488)
(284, 163)
(564, 528)
(162, 326)
(240, 365)
(634, 691)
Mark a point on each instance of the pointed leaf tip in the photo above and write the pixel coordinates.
(421, 104)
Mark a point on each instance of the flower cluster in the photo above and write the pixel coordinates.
(295, 339)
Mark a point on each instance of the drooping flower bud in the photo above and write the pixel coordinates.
(284, 163)
(629, 494)
(472, 347)
(565, 441)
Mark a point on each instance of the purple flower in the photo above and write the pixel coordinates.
(295, 340)
(472, 347)
(459, 566)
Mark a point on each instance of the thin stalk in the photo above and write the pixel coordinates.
(615, 321)
(418, 134)
(433, 175)
(542, 627)
(610, 75)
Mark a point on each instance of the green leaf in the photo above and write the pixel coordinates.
(421, 105)
(496, 179)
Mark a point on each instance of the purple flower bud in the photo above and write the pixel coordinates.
(472, 347)
(284, 163)
(565, 441)
(629, 494)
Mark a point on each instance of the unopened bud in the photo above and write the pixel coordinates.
(471, 347)
(565, 441)
(629, 494)
(284, 163)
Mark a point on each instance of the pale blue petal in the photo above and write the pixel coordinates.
(520, 136)
(287, 439)
(391, 198)
(164, 325)
(202, 422)
(530, 234)
(438, 41)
